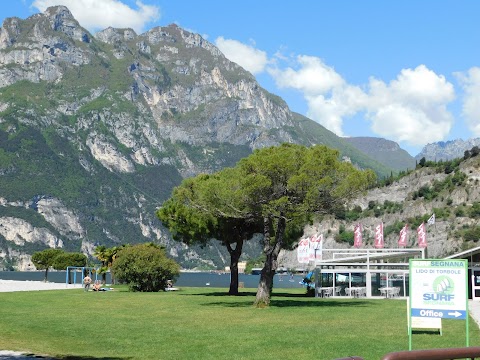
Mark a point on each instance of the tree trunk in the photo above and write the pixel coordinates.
(265, 285)
(271, 250)
(234, 257)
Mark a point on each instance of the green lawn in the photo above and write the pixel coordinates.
(204, 323)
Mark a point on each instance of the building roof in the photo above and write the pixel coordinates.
(465, 254)
(367, 255)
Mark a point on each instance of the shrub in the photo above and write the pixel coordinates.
(459, 212)
(354, 214)
(472, 234)
(344, 236)
(475, 210)
(145, 267)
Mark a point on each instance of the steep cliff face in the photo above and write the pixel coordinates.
(95, 131)
(447, 150)
(167, 80)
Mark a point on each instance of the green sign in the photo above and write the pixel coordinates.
(438, 289)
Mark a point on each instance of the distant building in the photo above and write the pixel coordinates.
(241, 267)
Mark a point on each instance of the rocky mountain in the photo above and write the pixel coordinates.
(447, 150)
(386, 152)
(95, 131)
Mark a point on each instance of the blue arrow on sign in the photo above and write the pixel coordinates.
(435, 313)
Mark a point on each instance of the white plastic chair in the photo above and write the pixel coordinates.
(396, 292)
(327, 292)
(362, 292)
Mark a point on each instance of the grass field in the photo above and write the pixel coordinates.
(204, 323)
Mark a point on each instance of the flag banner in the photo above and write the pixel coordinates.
(422, 236)
(402, 241)
(303, 251)
(379, 236)
(431, 220)
(316, 243)
(357, 236)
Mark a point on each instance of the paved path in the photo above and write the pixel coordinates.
(474, 310)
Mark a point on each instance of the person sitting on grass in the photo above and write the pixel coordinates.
(98, 286)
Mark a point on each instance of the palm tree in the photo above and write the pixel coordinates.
(101, 252)
(111, 254)
(107, 257)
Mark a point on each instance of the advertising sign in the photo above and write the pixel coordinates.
(438, 288)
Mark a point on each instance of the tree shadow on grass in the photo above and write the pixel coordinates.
(223, 293)
(250, 293)
(279, 300)
(316, 302)
(72, 357)
(284, 303)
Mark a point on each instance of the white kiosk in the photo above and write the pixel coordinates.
(365, 272)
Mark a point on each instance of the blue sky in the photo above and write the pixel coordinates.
(404, 70)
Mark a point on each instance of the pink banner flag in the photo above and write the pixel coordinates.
(316, 247)
(422, 236)
(303, 251)
(357, 235)
(379, 236)
(402, 241)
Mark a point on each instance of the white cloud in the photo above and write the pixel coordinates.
(322, 87)
(411, 108)
(330, 110)
(471, 101)
(248, 57)
(312, 77)
(100, 14)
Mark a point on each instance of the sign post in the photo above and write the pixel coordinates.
(438, 289)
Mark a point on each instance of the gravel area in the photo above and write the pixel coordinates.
(13, 285)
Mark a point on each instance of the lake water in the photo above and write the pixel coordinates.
(190, 279)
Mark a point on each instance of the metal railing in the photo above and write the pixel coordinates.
(436, 354)
(431, 354)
